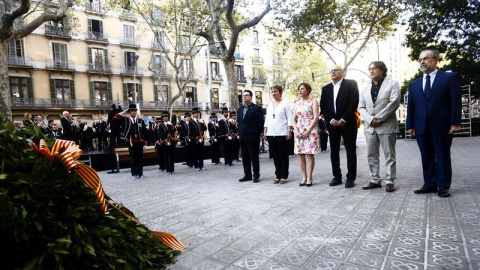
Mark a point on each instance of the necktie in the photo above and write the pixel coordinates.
(426, 90)
(245, 111)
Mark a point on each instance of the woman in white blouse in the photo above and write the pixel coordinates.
(277, 130)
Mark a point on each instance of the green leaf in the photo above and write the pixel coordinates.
(3, 176)
(39, 226)
(24, 212)
(61, 251)
(140, 229)
(63, 240)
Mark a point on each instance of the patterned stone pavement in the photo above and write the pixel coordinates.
(231, 225)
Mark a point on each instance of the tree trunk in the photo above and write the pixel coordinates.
(4, 82)
(232, 83)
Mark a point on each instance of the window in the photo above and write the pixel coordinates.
(258, 97)
(215, 68)
(156, 14)
(191, 94)
(159, 37)
(15, 52)
(129, 91)
(185, 43)
(62, 90)
(97, 58)
(93, 5)
(129, 34)
(256, 73)
(60, 58)
(159, 63)
(95, 29)
(129, 61)
(215, 99)
(256, 53)
(255, 37)
(186, 67)
(240, 99)
(20, 88)
(240, 73)
(100, 91)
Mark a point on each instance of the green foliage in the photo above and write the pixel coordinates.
(453, 28)
(50, 218)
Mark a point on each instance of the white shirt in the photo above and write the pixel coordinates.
(432, 78)
(336, 88)
(279, 119)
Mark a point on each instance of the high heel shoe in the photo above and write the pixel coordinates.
(303, 183)
(309, 185)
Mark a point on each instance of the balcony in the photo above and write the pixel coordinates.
(97, 37)
(77, 104)
(159, 47)
(259, 81)
(52, 3)
(239, 57)
(130, 71)
(161, 72)
(129, 42)
(94, 8)
(127, 15)
(19, 62)
(98, 68)
(241, 80)
(215, 78)
(55, 65)
(57, 32)
(257, 60)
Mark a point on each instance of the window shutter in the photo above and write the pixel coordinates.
(109, 91)
(194, 90)
(140, 93)
(53, 95)
(105, 55)
(125, 94)
(90, 27)
(169, 91)
(155, 93)
(72, 89)
(90, 57)
(92, 94)
(30, 87)
(100, 26)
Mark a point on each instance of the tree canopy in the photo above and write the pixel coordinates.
(453, 28)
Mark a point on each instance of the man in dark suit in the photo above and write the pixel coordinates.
(250, 126)
(338, 104)
(134, 135)
(67, 126)
(433, 115)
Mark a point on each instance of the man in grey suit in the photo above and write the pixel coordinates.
(378, 102)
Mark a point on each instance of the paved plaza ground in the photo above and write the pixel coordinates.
(231, 225)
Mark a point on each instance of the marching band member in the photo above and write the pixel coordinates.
(187, 140)
(233, 129)
(226, 139)
(133, 132)
(213, 131)
(170, 143)
(197, 128)
(160, 135)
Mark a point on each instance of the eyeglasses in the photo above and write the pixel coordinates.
(372, 69)
(334, 70)
(426, 58)
(246, 95)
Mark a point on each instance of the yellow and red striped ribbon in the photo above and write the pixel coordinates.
(68, 159)
(90, 177)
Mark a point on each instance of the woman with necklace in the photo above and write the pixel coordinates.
(277, 130)
(305, 119)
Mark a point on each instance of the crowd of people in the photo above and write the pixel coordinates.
(433, 115)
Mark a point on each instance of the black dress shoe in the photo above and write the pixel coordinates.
(372, 185)
(349, 183)
(445, 193)
(256, 179)
(390, 188)
(335, 182)
(424, 190)
(245, 178)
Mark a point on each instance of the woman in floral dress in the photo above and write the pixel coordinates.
(305, 119)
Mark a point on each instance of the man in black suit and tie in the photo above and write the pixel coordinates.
(250, 126)
(67, 126)
(338, 104)
(433, 114)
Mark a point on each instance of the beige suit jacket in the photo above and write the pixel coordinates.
(384, 107)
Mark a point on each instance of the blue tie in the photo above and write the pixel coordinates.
(426, 90)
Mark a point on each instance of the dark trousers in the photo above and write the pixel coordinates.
(227, 150)
(102, 141)
(278, 146)
(114, 139)
(161, 156)
(436, 160)
(250, 152)
(349, 135)
(170, 157)
(136, 158)
(189, 153)
(235, 148)
(215, 147)
(198, 154)
(323, 140)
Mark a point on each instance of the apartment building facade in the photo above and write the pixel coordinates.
(107, 57)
